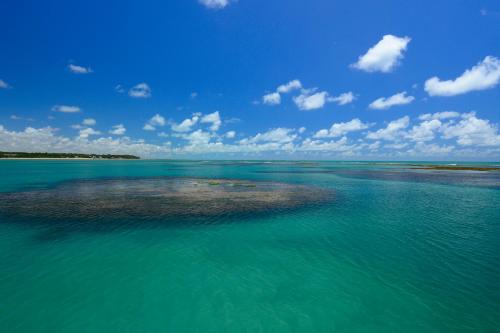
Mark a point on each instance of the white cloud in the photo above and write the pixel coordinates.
(155, 121)
(302, 130)
(374, 146)
(310, 101)
(393, 130)
(193, 95)
(89, 122)
(214, 119)
(472, 131)
(86, 132)
(384, 56)
(141, 90)
(383, 103)
(274, 98)
(343, 99)
(425, 131)
(485, 75)
(340, 129)
(66, 108)
(340, 146)
(396, 146)
(214, 4)
(280, 135)
(286, 88)
(439, 115)
(4, 85)
(197, 137)
(186, 125)
(118, 129)
(79, 69)
(468, 135)
(45, 139)
(271, 99)
(424, 149)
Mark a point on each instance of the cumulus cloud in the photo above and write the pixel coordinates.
(279, 135)
(425, 131)
(274, 98)
(79, 69)
(118, 130)
(141, 90)
(424, 149)
(307, 100)
(383, 103)
(86, 132)
(343, 99)
(339, 146)
(46, 139)
(198, 137)
(286, 88)
(439, 115)
(84, 124)
(4, 85)
(155, 121)
(66, 108)
(214, 4)
(384, 56)
(340, 129)
(468, 131)
(271, 99)
(393, 130)
(472, 131)
(214, 119)
(447, 134)
(396, 146)
(484, 75)
(89, 122)
(186, 125)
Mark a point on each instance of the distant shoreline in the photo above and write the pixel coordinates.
(68, 158)
(14, 155)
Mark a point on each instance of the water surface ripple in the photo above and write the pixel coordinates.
(394, 250)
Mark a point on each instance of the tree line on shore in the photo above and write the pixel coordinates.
(65, 155)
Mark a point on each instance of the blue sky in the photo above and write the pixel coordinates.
(252, 79)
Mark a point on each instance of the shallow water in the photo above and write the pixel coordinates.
(397, 250)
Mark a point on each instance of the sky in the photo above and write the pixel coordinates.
(252, 79)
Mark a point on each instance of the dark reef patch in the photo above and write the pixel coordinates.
(420, 175)
(94, 205)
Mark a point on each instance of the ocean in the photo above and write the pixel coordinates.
(345, 247)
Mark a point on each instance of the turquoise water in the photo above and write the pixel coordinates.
(396, 250)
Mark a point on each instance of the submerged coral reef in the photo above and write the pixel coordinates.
(158, 198)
